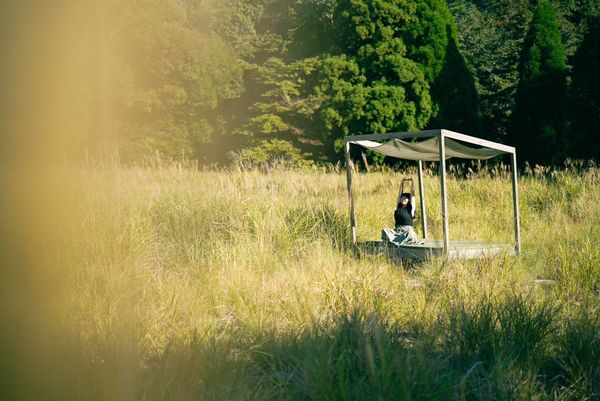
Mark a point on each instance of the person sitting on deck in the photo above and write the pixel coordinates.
(404, 233)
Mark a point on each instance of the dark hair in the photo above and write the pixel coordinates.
(406, 195)
(408, 205)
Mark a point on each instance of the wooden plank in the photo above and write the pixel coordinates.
(433, 248)
(350, 197)
(439, 244)
(442, 151)
(454, 253)
(436, 243)
(476, 253)
(419, 254)
(422, 200)
(515, 190)
(478, 141)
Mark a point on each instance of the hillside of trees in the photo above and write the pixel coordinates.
(259, 80)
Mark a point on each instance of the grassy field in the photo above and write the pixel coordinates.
(171, 283)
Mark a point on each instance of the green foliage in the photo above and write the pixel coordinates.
(269, 153)
(179, 71)
(164, 70)
(543, 52)
(392, 42)
(354, 104)
(374, 86)
(286, 104)
(431, 41)
(427, 36)
(199, 78)
(363, 82)
(455, 93)
(585, 96)
(538, 118)
(491, 34)
(238, 26)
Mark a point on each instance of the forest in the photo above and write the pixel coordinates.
(254, 81)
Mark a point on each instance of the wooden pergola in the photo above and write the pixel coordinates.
(445, 138)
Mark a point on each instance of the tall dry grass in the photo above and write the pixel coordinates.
(173, 283)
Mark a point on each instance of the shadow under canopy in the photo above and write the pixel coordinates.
(434, 145)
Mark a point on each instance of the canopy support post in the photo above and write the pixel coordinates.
(516, 202)
(350, 197)
(444, 191)
(422, 201)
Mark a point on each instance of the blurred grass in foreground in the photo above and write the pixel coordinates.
(173, 283)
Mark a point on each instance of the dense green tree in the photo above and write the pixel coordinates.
(277, 101)
(201, 77)
(423, 34)
(376, 65)
(538, 118)
(585, 96)
(179, 70)
(573, 17)
(237, 24)
(359, 80)
(431, 40)
(158, 73)
(283, 113)
(455, 94)
(491, 33)
(373, 86)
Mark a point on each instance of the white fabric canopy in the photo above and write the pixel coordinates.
(428, 150)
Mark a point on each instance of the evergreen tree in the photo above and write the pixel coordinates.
(491, 33)
(454, 93)
(585, 96)
(431, 40)
(538, 118)
(372, 86)
(358, 78)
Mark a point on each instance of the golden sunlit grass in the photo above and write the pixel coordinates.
(174, 283)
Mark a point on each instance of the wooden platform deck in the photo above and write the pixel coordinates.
(432, 248)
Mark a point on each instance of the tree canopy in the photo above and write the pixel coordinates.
(585, 96)
(539, 117)
(209, 80)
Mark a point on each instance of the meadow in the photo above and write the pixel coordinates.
(177, 283)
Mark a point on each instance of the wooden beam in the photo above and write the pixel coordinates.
(516, 204)
(350, 197)
(478, 141)
(444, 195)
(422, 201)
(393, 135)
(432, 133)
(364, 160)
